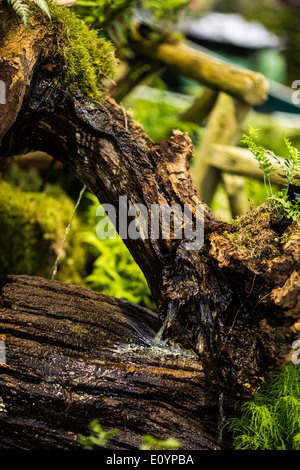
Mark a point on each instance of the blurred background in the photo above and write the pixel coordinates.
(37, 196)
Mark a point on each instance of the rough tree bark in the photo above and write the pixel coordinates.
(238, 313)
(84, 355)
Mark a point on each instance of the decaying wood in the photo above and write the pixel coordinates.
(199, 290)
(18, 59)
(237, 311)
(40, 161)
(78, 355)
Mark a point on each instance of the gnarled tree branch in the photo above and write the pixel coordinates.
(236, 311)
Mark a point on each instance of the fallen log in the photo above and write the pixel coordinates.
(73, 355)
(240, 161)
(234, 309)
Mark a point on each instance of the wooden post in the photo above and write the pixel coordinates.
(201, 107)
(224, 127)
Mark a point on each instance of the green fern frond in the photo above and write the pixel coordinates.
(22, 8)
(292, 164)
(270, 420)
(42, 4)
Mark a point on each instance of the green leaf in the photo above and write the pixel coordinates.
(98, 437)
(42, 4)
(21, 9)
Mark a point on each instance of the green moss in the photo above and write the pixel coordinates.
(271, 419)
(80, 57)
(32, 227)
(256, 233)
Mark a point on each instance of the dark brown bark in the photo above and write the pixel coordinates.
(202, 294)
(79, 355)
(238, 312)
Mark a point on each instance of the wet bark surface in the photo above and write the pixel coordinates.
(78, 355)
(205, 302)
(238, 312)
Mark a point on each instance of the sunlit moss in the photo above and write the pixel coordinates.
(80, 58)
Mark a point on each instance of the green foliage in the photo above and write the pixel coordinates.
(284, 207)
(115, 17)
(81, 57)
(101, 13)
(98, 436)
(271, 419)
(159, 115)
(32, 227)
(22, 8)
(104, 14)
(260, 155)
(165, 8)
(152, 443)
(114, 270)
(290, 167)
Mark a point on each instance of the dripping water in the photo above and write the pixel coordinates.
(163, 351)
(171, 313)
(222, 417)
(54, 270)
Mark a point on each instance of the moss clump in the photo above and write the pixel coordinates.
(81, 58)
(32, 227)
(258, 233)
(271, 419)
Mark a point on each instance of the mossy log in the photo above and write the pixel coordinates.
(246, 85)
(234, 302)
(17, 62)
(212, 286)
